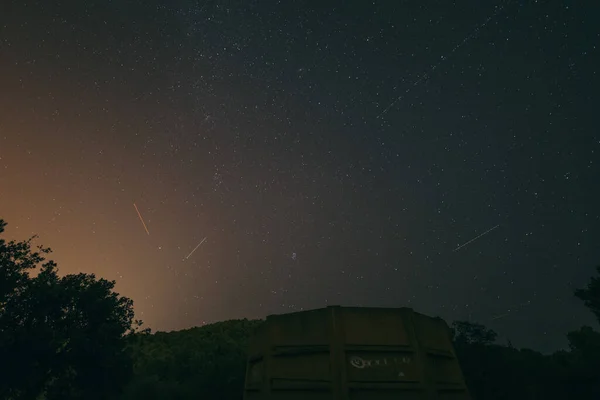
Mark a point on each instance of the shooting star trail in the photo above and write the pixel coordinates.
(195, 248)
(141, 219)
(514, 310)
(426, 75)
(475, 238)
(499, 316)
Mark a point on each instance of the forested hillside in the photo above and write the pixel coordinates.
(209, 362)
(73, 337)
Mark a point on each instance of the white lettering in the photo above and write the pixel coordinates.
(361, 363)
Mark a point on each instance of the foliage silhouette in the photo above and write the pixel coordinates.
(72, 337)
(468, 333)
(192, 363)
(60, 337)
(590, 295)
(207, 363)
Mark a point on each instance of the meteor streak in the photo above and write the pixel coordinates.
(514, 310)
(500, 316)
(426, 75)
(475, 238)
(141, 219)
(195, 248)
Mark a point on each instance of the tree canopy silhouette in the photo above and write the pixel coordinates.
(73, 337)
(590, 295)
(472, 333)
(61, 337)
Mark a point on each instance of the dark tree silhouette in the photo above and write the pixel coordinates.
(207, 362)
(590, 295)
(585, 345)
(472, 333)
(60, 337)
(72, 337)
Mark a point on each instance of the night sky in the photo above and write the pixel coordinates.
(331, 152)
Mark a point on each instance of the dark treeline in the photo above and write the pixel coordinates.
(73, 337)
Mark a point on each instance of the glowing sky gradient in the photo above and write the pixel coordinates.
(254, 124)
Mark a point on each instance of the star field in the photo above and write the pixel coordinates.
(329, 152)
